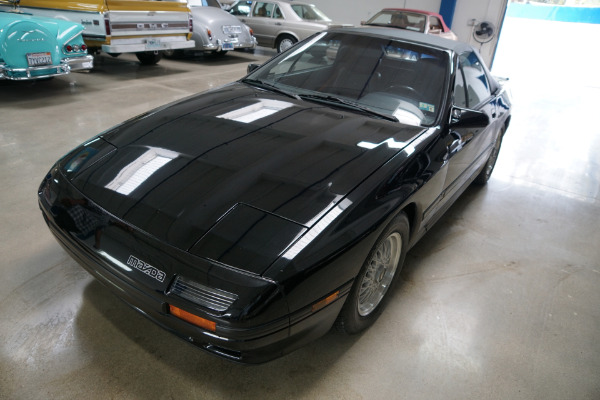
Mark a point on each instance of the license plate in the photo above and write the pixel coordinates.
(153, 43)
(228, 46)
(35, 59)
(230, 29)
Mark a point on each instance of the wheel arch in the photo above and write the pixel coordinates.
(285, 33)
(411, 213)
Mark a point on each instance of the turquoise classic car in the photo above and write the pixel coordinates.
(35, 48)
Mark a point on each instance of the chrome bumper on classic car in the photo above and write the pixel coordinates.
(148, 44)
(227, 46)
(66, 66)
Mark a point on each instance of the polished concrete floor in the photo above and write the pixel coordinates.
(501, 300)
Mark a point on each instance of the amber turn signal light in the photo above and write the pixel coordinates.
(326, 301)
(192, 319)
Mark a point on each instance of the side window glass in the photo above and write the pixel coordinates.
(277, 12)
(478, 88)
(263, 10)
(435, 25)
(460, 95)
(240, 9)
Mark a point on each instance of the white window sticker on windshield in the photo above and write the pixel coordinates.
(427, 107)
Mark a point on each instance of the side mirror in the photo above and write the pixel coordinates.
(464, 118)
(252, 67)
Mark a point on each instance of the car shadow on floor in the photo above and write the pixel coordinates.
(60, 90)
(118, 339)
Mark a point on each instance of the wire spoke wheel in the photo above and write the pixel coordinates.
(378, 276)
(376, 279)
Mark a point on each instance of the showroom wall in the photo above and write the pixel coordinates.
(466, 11)
(479, 10)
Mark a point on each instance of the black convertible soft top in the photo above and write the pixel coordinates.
(403, 34)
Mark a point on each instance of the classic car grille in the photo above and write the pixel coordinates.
(215, 299)
(229, 29)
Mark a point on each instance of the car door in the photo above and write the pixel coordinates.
(261, 22)
(469, 146)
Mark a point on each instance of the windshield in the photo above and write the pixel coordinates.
(309, 12)
(402, 80)
(400, 19)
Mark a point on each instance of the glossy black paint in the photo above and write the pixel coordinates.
(281, 210)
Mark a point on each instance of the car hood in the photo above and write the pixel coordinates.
(236, 154)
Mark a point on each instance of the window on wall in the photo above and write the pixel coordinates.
(475, 79)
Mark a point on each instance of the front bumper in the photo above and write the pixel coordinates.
(46, 71)
(136, 45)
(239, 341)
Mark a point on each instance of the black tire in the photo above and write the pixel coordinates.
(371, 289)
(149, 57)
(284, 42)
(115, 55)
(219, 53)
(172, 53)
(488, 168)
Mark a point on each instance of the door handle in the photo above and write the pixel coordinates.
(278, 23)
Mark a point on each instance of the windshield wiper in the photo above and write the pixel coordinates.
(270, 86)
(348, 104)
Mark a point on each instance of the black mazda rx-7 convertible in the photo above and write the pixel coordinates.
(252, 218)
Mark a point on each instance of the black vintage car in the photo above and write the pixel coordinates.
(252, 218)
